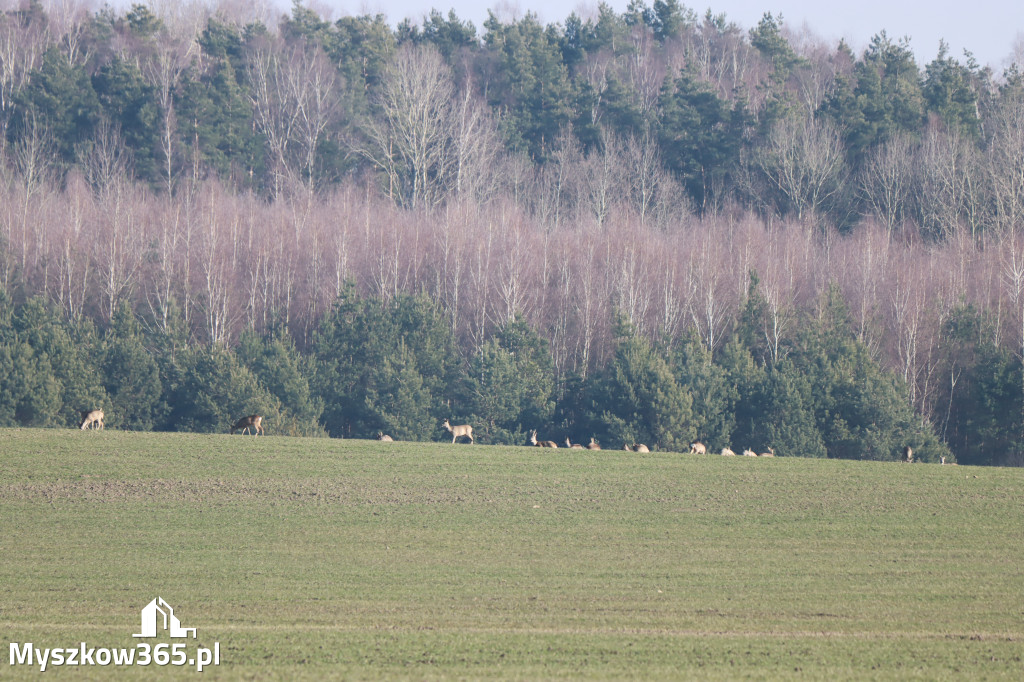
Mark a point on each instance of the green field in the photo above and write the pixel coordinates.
(309, 559)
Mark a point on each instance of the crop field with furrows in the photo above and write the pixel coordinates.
(345, 559)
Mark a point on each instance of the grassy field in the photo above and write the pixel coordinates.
(308, 559)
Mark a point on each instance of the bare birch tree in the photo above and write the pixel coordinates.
(803, 160)
(410, 145)
(1006, 163)
(887, 181)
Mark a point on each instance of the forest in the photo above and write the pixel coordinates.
(655, 226)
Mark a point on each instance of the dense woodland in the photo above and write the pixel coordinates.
(654, 226)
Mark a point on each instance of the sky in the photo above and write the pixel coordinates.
(990, 29)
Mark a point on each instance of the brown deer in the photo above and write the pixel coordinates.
(594, 445)
(640, 447)
(541, 443)
(908, 454)
(384, 438)
(92, 419)
(698, 448)
(252, 424)
(572, 446)
(749, 453)
(770, 453)
(459, 431)
(728, 452)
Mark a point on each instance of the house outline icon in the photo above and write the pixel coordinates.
(150, 620)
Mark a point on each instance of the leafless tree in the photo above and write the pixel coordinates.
(73, 263)
(317, 107)
(948, 183)
(106, 162)
(804, 160)
(887, 181)
(21, 48)
(411, 144)
(476, 146)
(67, 20)
(117, 244)
(1005, 158)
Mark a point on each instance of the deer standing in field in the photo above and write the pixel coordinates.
(541, 443)
(698, 448)
(593, 444)
(252, 424)
(572, 446)
(458, 431)
(908, 454)
(384, 438)
(92, 419)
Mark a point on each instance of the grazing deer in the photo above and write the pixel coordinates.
(461, 430)
(383, 437)
(727, 452)
(92, 419)
(593, 444)
(698, 448)
(640, 447)
(770, 453)
(908, 454)
(251, 424)
(541, 443)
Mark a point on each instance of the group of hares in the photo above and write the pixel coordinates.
(253, 424)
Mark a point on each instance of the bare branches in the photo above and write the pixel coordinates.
(804, 161)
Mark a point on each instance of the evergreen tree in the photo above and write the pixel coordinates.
(363, 346)
(131, 103)
(284, 372)
(700, 136)
(71, 351)
(862, 411)
(130, 375)
(787, 421)
(949, 92)
(747, 378)
(883, 97)
(59, 96)
(508, 388)
(215, 390)
(397, 399)
(768, 40)
(984, 416)
(30, 395)
(714, 395)
(215, 107)
(530, 82)
(450, 36)
(638, 400)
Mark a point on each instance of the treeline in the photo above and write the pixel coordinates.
(210, 189)
(656, 108)
(395, 367)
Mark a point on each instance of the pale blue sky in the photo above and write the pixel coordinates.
(991, 29)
